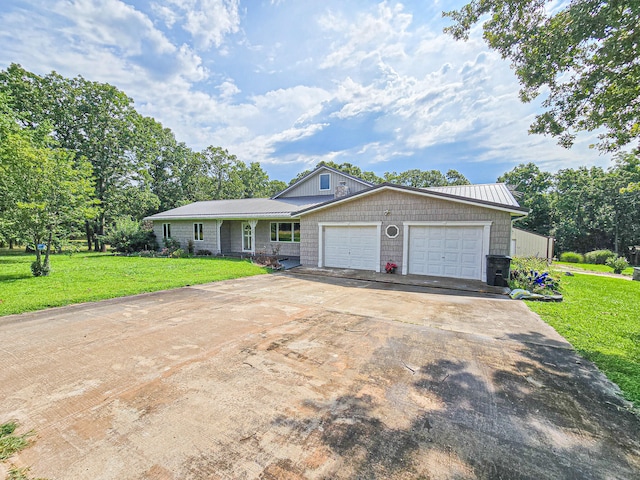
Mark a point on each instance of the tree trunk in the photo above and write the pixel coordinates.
(46, 256)
(10, 244)
(87, 229)
(103, 247)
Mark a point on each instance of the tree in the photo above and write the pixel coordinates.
(621, 218)
(580, 208)
(91, 119)
(454, 177)
(344, 167)
(532, 187)
(275, 186)
(44, 189)
(220, 175)
(255, 181)
(585, 55)
(426, 178)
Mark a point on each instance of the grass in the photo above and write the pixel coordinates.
(599, 316)
(11, 443)
(594, 268)
(85, 277)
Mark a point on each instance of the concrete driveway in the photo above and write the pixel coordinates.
(285, 377)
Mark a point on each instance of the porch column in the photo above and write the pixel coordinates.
(218, 242)
(253, 224)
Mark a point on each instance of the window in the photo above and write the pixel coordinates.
(325, 181)
(285, 232)
(198, 232)
(166, 230)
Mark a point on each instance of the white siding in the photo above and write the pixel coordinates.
(527, 244)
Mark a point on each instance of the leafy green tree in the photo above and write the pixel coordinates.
(580, 209)
(44, 189)
(585, 55)
(220, 175)
(456, 178)
(426, 178)
(275, 186)
(533, 191)
(91, 119)
(622, 218)
(255, 181)
(345, 167)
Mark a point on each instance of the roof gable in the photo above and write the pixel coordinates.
(309, 185)
(511, 206)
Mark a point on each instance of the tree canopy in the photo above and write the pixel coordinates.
(584, 56)
(584, 208)
(44, 189)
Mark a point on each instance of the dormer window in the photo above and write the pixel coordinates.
(325, 181)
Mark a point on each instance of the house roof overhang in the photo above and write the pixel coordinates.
(515, 211)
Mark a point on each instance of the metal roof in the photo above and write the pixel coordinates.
(241, 208)
(493, 195)
(501, 197)
(490, 192)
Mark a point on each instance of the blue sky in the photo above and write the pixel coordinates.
(290, 83)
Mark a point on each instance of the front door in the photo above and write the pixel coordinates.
(247, 238)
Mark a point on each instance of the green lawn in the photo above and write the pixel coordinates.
(85, 277)
(594, 268)
(600, 316)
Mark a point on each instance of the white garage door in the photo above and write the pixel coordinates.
(351, 247)
(446, 251)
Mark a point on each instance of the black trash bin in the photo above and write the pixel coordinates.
(498, 267)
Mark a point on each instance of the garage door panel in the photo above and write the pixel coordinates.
(351, 247)
(447, 251)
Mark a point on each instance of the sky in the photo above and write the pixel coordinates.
(291, 83)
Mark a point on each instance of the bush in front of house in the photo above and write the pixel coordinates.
(572, 257)
(618, 264)
(534, 275)
(128, 236)
(599, 257)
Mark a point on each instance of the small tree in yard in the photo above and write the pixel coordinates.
(44, 189)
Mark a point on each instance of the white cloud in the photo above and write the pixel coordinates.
(388, 67)
(372, 36)
(111, 23)
(208, 21)
(228, 89)
(168, 15)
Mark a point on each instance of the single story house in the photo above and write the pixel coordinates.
(331, 219)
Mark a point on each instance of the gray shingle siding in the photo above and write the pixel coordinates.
(230, 236)
(310, 186)
(182, 231)
(402, 207)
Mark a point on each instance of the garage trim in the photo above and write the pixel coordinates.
(321, 226)
(485, 239)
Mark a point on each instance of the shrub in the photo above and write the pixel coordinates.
(599, 257)
(171, 244)
(534, 275)
(618, 264)
(190, 247)
(39, 269)
(572, 257)
(128, 236)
